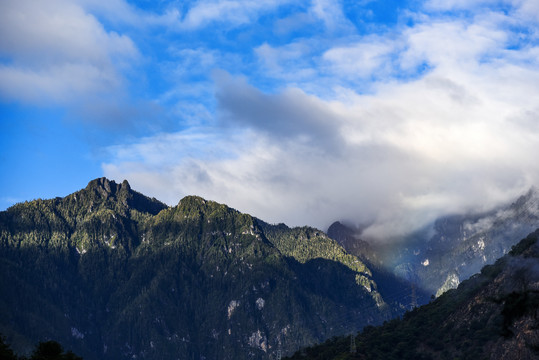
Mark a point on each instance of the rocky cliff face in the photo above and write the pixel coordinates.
(113, 274)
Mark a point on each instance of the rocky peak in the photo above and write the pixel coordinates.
(106, 187)
(103, 191)
(340, 232)
(125, 185)
(348, 238)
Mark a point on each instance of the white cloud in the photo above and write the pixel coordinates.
(121, 12)
(371, 56)
(59, 84)
(293, 23)
(58, 52)
(458, 136)
(409, 149)
(290, 116)
(452, 44)
(457, 4)
(521, 11)
(189, 62)
(331, 14)
(276, 61)
(114, 10)
(528, 9)
(234, 12)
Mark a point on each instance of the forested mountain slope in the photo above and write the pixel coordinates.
(112, 274)
(493, 315)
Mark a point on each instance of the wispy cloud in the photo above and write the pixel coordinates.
(231, 12)
(124, 13)
(453, 136)
(365, 59)
(276, 61)
(331, 14)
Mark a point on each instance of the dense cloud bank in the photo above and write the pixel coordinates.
(298, 114)
(456, 134)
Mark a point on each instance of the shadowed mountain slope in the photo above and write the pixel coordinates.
(493, 315)
(113, 274)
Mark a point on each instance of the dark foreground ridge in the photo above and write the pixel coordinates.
(113, 274)
(493, 315)
(46, 350)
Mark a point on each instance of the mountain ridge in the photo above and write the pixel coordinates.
(113, 274)
(492, 315)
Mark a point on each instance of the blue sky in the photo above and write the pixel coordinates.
(386, 113)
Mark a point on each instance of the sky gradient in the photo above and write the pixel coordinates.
(384, 113)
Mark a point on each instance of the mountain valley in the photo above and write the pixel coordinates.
(492, 315)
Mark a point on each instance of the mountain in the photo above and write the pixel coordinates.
(441, 255)
(350, 239)
(492, 315)
(396, 290)
(113, 274)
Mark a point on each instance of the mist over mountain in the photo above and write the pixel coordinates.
(113, 274)
(452, 248)
(399, 289)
